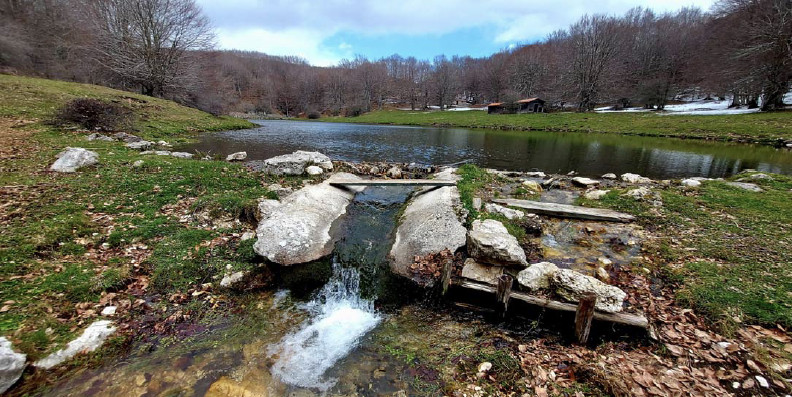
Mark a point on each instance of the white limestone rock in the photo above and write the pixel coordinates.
(266, 207)
(609, 175)
(182, 155)
(314, 170)
(394, 172)
(73, 158)
(232, 278)
(585, 182)
(490, 242)
(537, 276)
(99, 137)
(532, 186)
(480, 272)
(751, 187)
(571, 285)
(509, 213)
(91, 339)
(238, 156)
(140, 145)
(595, 194)
(295, 163)
(691, 183)
(12, 364)
(634, 178)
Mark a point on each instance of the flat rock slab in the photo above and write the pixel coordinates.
(91, 339)
(568, 211)
(751, 187)
(480, 272)
(295, 163)
(394, 182)
(298, 230)
(432, 222)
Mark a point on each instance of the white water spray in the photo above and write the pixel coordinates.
(339, 318)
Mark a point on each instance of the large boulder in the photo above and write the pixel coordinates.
(73, 158)
(91, 339)
(537, 276)
(490, 242)
(475, 271)
(11, 365)
(295, 163)
(432, 222)
(298, 229)
(571, 285)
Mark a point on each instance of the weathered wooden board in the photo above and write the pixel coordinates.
(619, 318)
(568, 211)
(394, 182)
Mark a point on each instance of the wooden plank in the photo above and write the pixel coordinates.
(583, 317)
(568, 211)
(619, 318)
(393, 182)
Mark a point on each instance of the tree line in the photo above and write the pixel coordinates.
(741, 49)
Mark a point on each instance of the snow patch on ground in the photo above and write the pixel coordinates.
(711, 107)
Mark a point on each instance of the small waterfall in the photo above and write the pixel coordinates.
(339, 318)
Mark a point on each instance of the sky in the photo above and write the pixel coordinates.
(327, 31)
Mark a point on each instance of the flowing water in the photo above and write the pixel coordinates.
(552, 152)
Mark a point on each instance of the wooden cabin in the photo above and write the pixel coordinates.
(528, 105)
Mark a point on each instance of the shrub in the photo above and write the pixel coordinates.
(93, 114)
(354, 111)
(313, 115)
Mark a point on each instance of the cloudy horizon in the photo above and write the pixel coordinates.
(326, 32)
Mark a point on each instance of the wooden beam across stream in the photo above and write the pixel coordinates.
(634, 320)
(393, 182)
(568, 211)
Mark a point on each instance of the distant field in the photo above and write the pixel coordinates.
(766, 128)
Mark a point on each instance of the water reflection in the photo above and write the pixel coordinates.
(589, 154)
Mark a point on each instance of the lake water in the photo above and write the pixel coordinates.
(551, 152)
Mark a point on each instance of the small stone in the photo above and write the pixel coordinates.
(762, 381)
(109, 310)
(99, 137)
(603, 274)
(374, 170)
(314, 170)
(238, 156)
(182, 155)
(231, 279)
(639, 193)
(535, 174)
(595, 194)
(140, 145)
(123, 136)
(247, 236)
(137, 164)
(609, 176)
(485, 367)
(532, 186)
(634, 178)
(537, 276)
(477, 203)
(509, 213)
(394, 173)
(585, 182)
(140, 380)
(691, 183)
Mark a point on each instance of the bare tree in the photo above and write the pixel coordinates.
(592, 44)
(148, 43)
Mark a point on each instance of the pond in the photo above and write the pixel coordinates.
(551, 152)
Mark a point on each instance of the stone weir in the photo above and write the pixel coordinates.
(297, 228)
(431, 223)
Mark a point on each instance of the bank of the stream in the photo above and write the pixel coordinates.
(154, 239)
(773, 128)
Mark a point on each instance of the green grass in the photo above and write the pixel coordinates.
(757, 127)
(51, 258)
(729, 249)
(34, 98)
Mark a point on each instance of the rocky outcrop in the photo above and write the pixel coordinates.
(537, 276)
(505, 211)
(432, 222)
(489, 242)
(73, 158)
(298, 229)
(295, 163)
(571, 285)
(238, 156)
(481, 272)
(91, 339)
(11, 365)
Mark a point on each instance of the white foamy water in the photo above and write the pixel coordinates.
(339, 318)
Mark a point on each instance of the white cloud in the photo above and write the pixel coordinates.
(300, 27)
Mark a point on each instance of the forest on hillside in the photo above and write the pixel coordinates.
(741, 49)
